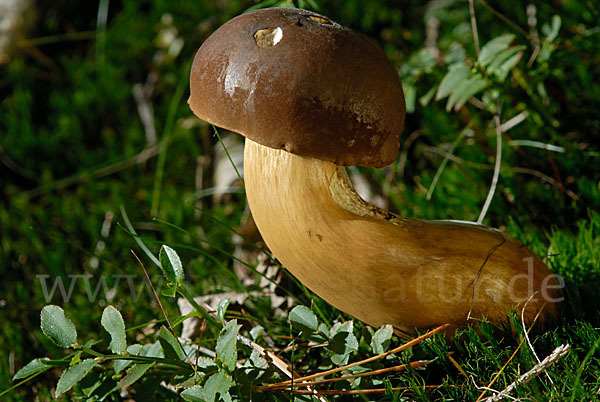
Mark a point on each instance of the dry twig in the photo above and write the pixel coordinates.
(488, 200)
(488, 388)
(400, 348)
(526, 333)
(474, 26)
(401, 367)
(373, 391)
(531, 374)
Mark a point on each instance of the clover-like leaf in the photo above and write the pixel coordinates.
(381, 339)
(256, 331)
(57, 327)
(303, 319)
(342, 342)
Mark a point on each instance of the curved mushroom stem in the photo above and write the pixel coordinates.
(380, 268)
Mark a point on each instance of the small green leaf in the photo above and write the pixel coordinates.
(551, 31)
(221, 309)
(91, 382)
(495, 67)
(342, 342)
(456, 54)
(258, 361)
(490, 49)
(73, 375)
(34, 366)
(121, 365)
(171, 265)
(170, 290)
(256, 331)
(323, 329)
(465, 90)
(57, 327)
(457, 73)
(152, 350)
(254, 368)
(381, 340)
(194, 394)
(303, 319)
(205, 364)
(227, 344)
(113, 323)
(505, 68)
(410, 96)
(169, 344)
(320, 335)
(217, 384)
(134, 373)
(425, 99)
(108, 387)
(422, 60)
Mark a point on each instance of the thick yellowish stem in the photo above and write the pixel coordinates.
(383, 269)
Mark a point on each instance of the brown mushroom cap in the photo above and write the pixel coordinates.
(292, 79)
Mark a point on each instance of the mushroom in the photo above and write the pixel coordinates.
(311, 97)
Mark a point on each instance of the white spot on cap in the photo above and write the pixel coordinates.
(268, 37)
(229, 83)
